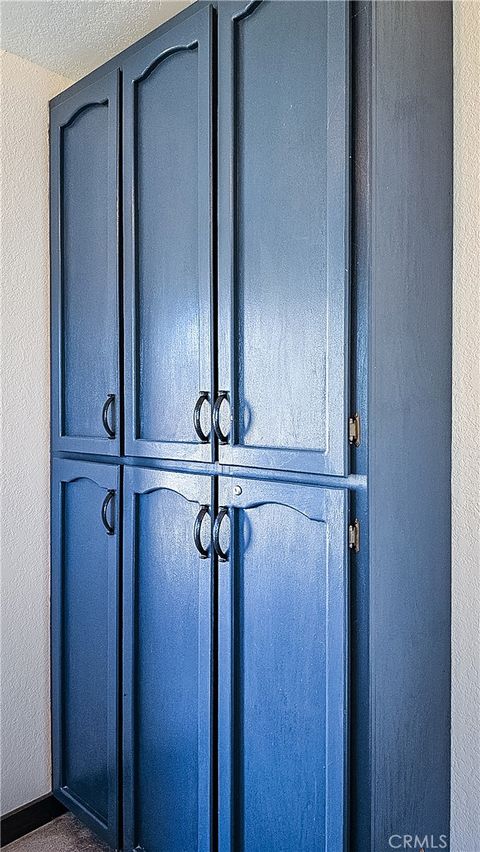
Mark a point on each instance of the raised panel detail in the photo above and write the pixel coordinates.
(280, 702)
(280, 215)
(84, 640)
(168, 297)
(86, 339)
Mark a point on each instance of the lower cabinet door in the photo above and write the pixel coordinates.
(85, 582)
(282, 607)
(167, 620)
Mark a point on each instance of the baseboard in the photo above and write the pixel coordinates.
(29, 817)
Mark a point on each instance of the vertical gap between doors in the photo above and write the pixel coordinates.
(360, 187)
(214, 667)
(214, 285)
(120, 421)
(120, 406)
(119, 515)
(213, 383)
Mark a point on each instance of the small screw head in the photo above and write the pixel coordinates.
(237, 490)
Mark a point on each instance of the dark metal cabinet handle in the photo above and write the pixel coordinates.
(108, 526)
(222, 396)
(204, 397)
(222, 554)
(106, 407)
(197, 529)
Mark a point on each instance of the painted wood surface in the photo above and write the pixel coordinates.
(410, 418)
(84, 270)
(85, 602)
(283, 233)
(167, 623)
(167, 240)
(391, 334)
(283, 634)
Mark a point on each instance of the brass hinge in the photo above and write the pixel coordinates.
(354, 536)
(354, 430)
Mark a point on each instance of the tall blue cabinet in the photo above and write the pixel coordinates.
(251, 326)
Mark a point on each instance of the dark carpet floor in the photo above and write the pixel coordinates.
(64, 834)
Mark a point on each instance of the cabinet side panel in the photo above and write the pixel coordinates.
(410, 419)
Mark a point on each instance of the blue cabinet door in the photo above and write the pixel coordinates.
(167, 618)
(282, 667)
(283, 234)
(84, 270)
(85, 583)
(167, 240)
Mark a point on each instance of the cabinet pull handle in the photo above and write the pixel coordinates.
(108, 526)
(197, 528)
(222, 554)
(222, 396)
(106, 407)
(204, 397)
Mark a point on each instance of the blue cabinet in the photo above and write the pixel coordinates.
(283, 250)
(85, 618)
(251, 244)
(167, 183)
(283, 641)
(84, 139)
(168, 593)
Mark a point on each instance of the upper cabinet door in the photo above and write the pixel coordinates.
(283, 631)
(283, 235)
(167, 240)
(84, 269)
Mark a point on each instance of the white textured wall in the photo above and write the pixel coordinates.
(465, 835)
(24, 482)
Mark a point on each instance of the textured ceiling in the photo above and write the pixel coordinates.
(71, 37)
